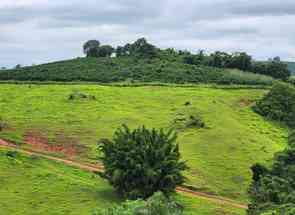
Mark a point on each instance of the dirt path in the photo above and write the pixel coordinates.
(99, 168)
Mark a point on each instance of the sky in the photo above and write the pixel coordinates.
(39, 31)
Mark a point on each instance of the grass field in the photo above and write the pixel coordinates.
(219, 155)
(35, 186)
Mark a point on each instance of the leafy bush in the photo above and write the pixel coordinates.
(141, 162)
(278, 104)
(157, 204)
(12, 154)
(79, 95)
(188, 117)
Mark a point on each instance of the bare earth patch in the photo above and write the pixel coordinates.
(66, 146)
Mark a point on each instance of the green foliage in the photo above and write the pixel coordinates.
(242, 61)
(273, 68)
(105, 51)
(278, 104)
(140, 49)
(157, 204)
(273, 190)
(90, 48)
(165, 69)
(141, 162)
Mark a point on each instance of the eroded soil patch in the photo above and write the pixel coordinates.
(62, 144)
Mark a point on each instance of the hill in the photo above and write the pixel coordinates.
(106, 70)
(33, 185)
(68, 120)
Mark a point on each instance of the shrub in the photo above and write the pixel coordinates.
(141, 162)
(157, 204)
(278, 104)
(195, 121)
(3, 124)
(12, 154)
(79, 95)
(188, 117)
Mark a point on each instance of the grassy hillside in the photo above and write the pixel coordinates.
(34, 186)
(219, 155)
(129, 69)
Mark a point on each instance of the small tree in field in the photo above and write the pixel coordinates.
(141, 162)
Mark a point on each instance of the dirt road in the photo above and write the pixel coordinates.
(99, 168)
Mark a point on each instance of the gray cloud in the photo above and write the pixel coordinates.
(38, 31)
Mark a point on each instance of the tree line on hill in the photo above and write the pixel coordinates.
(238, 60)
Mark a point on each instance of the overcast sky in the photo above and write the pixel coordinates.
(38, 31)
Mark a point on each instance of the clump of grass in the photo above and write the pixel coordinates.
(188, 117)
(195, 121)
(80, 96)
(3, 124)
(12, 154)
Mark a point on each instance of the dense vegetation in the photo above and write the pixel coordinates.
(273, 189)
(132, 69)
(141, 162)
(242, 61)
(279, 104)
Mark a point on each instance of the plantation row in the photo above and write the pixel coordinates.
(130, 69)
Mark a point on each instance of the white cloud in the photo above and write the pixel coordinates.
(35, 31)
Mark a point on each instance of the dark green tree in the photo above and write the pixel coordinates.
(278, 104)
(90, 48)
(140, 162)
(105, 51)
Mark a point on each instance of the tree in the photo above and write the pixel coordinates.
(278, 104)
(140, 48)
(273, 190)
(141, 162)
(278, 70)
(240, 60)
(105, 51)
(90, 48)
(18, 66)
(157, 204)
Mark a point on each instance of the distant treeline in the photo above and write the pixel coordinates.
(239, 60)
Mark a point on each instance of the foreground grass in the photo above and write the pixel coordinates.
(219, 155)
(31, 185)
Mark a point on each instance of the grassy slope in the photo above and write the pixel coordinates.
(36, 186)
(219, 156)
